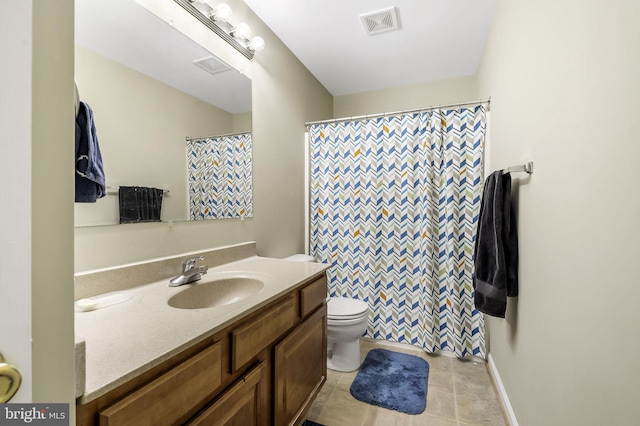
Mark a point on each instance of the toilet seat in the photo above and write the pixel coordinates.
(346, 322)
(347, 317)
(344, 308)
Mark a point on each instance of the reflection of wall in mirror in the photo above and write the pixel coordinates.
(142, 124)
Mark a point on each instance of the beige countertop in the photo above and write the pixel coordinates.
(125, 340)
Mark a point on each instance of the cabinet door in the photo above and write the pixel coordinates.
(300, 367)
(239, 406)
(168, 399)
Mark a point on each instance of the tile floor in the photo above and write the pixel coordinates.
(459, 393)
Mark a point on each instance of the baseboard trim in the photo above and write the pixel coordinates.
(408, 345)
(502, 392)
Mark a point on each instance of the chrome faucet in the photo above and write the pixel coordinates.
(190, 272)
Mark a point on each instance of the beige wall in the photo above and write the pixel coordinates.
(440, 92)
(36, 260)
(141, 125)
(51, 198)
(36, 181)
(563, 79)
(242, 122)
(285, 95)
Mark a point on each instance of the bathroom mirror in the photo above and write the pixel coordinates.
(138, 75)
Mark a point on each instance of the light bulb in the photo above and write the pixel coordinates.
(222, 12)
(242, 30)
(257, 44)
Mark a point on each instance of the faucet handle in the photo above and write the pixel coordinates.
(190, 263)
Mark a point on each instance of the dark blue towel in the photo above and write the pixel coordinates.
(140, 204)
(496, 248)
(90, 180)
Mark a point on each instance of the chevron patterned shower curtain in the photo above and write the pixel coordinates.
(219, 174)
(394, 207)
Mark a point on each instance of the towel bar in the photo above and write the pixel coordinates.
(528, 168)
(112, 190)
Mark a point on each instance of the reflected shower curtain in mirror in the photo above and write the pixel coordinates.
(394, 208)
(219, 173)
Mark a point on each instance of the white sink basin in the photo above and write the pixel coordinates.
(215, 292)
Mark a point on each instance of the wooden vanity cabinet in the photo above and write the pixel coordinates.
(265, 369)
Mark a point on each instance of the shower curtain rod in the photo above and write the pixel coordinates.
(195, 138)
(408, 111)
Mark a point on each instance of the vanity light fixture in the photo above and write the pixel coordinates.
(217, 18)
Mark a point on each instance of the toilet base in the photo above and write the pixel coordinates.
(343, 356)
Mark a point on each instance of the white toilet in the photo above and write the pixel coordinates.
(346, 323)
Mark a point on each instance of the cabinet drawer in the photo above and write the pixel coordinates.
(240, 405)
(169, 397)
(312, 296)
(251, 338)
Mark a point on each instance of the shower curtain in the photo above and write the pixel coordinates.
(394, 204)
(219, 174)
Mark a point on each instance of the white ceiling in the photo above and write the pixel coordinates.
(127, 33)
(438, 39)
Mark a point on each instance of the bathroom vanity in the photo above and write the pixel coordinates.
(256, 361)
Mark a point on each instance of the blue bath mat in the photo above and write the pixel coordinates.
(392, 380)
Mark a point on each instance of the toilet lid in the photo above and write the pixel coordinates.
(344, 307)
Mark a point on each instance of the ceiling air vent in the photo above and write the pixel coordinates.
(211, 64)
(380, 21)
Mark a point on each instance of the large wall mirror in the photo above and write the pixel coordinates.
(138, 75)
